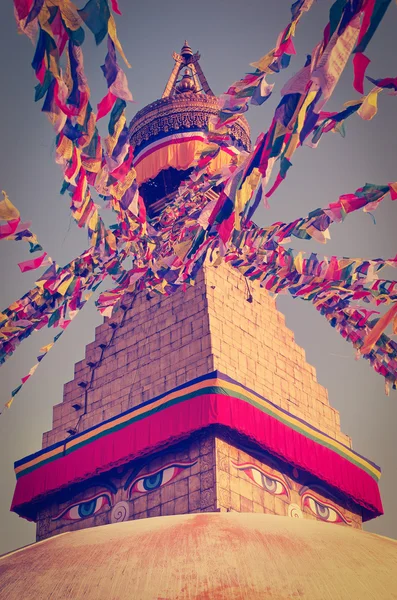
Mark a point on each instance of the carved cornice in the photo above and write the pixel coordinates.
(186, 111)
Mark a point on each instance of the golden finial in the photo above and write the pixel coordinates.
(186, 51)
(186, 84)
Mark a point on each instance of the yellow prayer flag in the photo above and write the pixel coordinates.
(243, 195)
(292, 144)
(69, 14)
(93, 165)
(57, 118)
(93, 222)
(111, 240)
(44, 20)
(263, 63)
(8, 212)
(61, 289)
(111, 140)
(113, 34)
(65, 148)
(298, 262)
(120, 188)
(45, 349)
(33, 369)
(302, 112)
(369, 107)
(182, 249)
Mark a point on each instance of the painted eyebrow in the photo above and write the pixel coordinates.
(97, 482)
(328, 504)
(318, 490)
(288, 481)
(102, 483)
(174, 463)
(263, 471)
(82, 501)
(134, 473)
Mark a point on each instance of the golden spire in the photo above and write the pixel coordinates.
(193, 79)
(186, 51)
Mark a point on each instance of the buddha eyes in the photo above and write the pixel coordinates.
(156, 479)
(83, 510)
(275, 485)
(143, 484)
(323, 510)
(271, 483)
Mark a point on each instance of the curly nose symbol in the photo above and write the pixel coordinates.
(294, 511)
(120, 512)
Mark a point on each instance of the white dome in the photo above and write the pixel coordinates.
(206, 556)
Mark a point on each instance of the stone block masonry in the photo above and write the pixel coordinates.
(161, 342)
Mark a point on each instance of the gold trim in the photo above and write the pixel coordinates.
(186, 111)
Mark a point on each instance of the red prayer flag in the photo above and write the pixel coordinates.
(34, 263)
(41, 71)
(393, 190)
(275, 185)
(9, 228)
(115, 7)
(23, 8)
(360, 64)
(121, 171)
(106, 105)
(225, 228)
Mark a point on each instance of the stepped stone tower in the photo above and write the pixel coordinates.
(197, 402)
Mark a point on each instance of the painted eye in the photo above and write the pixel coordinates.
(85, 509)
(155, 480)
(323, 510)
(272, 484)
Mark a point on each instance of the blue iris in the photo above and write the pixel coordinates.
(86, 509)
(269, 484)
(153, 481)
(322, 511)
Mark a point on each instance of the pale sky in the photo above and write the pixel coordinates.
(229, 35)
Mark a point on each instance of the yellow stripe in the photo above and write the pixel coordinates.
(289, 418)
(137, 413)
(38, 459)
(123, 419)
(281, 415)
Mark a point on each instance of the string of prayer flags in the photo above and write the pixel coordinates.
(43, 352)
(253, 88)
(304, 96)
(66, 101)
(210, 214)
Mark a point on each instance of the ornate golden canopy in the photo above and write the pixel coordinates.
(187, 103)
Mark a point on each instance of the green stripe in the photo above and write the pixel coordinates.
(117, 427)
(207, 390)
